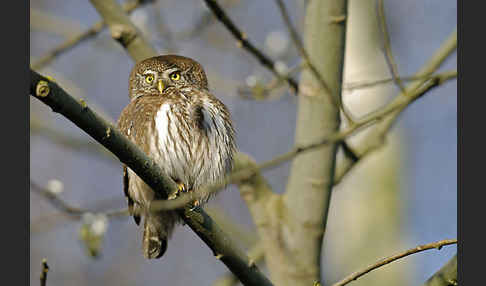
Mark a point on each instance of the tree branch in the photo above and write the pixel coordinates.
(146, 168)
(66, 208)
(255, 254)
(300, 48)
(445, 276)
(373, 83)
(376, 138)
(384, 261)
(390, 60)
(123, 30)
(243, 41)
(302, 212)
(75, 40)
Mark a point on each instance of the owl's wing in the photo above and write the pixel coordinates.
(124, 123)
(130, 202)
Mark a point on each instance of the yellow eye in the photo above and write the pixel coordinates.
(175, 76)
(149, 78)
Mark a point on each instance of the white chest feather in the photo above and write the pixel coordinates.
(187, 152)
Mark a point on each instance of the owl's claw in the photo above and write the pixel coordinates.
(181, 188)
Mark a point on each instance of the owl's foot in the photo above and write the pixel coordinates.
(181, 188)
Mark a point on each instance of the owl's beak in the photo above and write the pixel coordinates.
(160, 86)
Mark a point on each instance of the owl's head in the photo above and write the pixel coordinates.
(154, 76)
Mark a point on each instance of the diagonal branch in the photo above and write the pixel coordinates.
(243, 41)
(128, 7)
(73, 212)
(376, 138)
(438, 245)
(392, 65)
(300, 48)
(105, 133)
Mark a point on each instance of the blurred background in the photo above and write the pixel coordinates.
(401, 196)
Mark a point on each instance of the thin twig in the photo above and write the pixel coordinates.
(262, 91)
(438, 245)
(128, 7)
(375, 139)
(392, 65)
(44, 270)
(64, 207)
(336, 99)
(372, 83)
(205, 20)
(245, 43)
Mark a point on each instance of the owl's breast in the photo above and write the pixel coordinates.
(192, 149)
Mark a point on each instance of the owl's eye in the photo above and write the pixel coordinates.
(175, 76)
(149, 78)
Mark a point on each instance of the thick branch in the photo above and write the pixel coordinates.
(305, 203)
(123, 30)
(128, 153)
(445, 276)
(438, 245)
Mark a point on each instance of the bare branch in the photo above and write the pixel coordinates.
(255, 254)
(39, 128)
(392, 65)
(205, 20)
(373, 83)
(56, 201)
(66, 208)
(300, 48)
(260, 91)
(376, 139)
(123, 30)
(302, 218)
(75, 40)
(438, 245)
(243, 41)
(105, 133)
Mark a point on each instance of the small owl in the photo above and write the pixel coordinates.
(176, 121)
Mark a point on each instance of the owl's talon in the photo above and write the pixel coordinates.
(181, 188)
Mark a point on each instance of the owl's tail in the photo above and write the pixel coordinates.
(155, 236)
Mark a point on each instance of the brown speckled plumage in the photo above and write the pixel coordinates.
(183, 127)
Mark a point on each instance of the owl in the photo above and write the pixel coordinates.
(176, 121)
